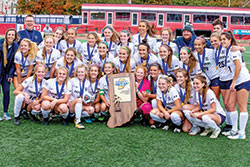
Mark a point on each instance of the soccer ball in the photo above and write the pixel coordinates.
(88, 97)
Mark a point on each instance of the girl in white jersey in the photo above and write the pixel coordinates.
(124, 63)
(90, 48)
(55, 95)
(168, 104)
(187, 95)
(24, 61)
(167, 38)
(208, 113)
(234, 72)
(169, 63)
(125, 40)
(189, 62)
(48, 56)
(70, 61)
(207, 62)
(71, 42)
(79, 85)
(144, 56)
(111, 37)
(28, 93)
(146, 33)
(102, 56)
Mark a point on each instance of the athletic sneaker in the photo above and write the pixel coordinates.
(88, 120)
(17, 121)
(177, 130)
(1, 118)
(165, 128)
(215, 133)
(227, 128)
(6, 116)
(206, 132)
(153, 127)
(229, 133)
(238, 136)
(79, 126)
(101, 119)
(194, 130)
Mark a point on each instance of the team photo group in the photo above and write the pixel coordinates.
(178, 82)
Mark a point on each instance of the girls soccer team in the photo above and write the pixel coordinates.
(70, 79)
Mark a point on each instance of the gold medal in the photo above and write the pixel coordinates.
(22, 70)
(89, 62)
(201, 111)
(36, 98)
(182, 104)
(47, 68)
(102, 73)
(216, 67)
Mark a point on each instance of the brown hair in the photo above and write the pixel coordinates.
(229, 35)
(98, 39)
(69, 49)
(63, 32)
(192, 60)
(85, 70)
(128, 34)
(151, 28)
(5, 43)
(188, 84)
(36, 68)
(204, 88)
(151, 78)
(99, 70)
(115, 36)
(169, 32)
(169, 60)
(218, 22)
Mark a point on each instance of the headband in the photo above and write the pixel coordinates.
(104, 42)
(124, 47)
(110, 63)
(202, 39)
(108, 28)
(186, 49)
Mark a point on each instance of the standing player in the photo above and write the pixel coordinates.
(125, 40)
(111, 37)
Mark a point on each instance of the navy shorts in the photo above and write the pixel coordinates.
(244, 85)
(225, 84)
(223, 118)
(214, 82)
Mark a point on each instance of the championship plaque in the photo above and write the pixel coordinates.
(122, 98)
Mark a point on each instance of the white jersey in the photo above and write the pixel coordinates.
(24, 65)
(131, 46)
(150, 60)
(196, 70)
(169, 98)
(104, 85)
(210, 98)
(209, 65)
(154, 83)
(61, 62)
(136, 40)
(56, 46)
(174, 66)
(88, 52)
(227, 70)
(49, 59)
(96, 59)
(182, 93)
(75, 88)
(30, 88)
(112, 47)
(119, 65)
(50, 86)
(171, 44)
(94, 87)
(77, 45)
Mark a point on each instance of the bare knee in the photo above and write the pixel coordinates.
(46, 105)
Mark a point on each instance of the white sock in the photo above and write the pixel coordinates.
(85, 114)
(154, 103)
(228, 120)
(18, 104)
(209, 122)
(187, 114)
(78, 112)
(45, 113)
(234, 119)
(197, 122)
(157, 118)
(176, 119)
(34, 112)
(243, 122)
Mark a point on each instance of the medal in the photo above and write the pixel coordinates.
(89, 62)
(102, 73)
(182, 104)
(22, 70)
(216, 67)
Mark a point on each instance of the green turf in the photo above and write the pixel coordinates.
(32, 144)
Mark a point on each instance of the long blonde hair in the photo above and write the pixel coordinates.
(66, 71)
(5, 43)
(33, 48)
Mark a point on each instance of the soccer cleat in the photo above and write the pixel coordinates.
(165, 128)
(25, 114)
(88, 120)
(229, 133)
(17, 121)
(79, 125)
(238, 136)
(226, 128)
(101, 119)
(177, 130)
(206, 132)
(64, 122)
(194, 131)
(45, 121)
(153, 127)
(1, 118)
(34, 118)
(6, 116)
(215, 133)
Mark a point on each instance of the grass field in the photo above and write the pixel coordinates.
(32, 144)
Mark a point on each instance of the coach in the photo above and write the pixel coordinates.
(29, 31)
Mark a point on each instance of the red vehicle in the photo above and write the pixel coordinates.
(127, 16)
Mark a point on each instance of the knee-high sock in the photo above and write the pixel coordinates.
(45, 113)
(197, 122)
(18, 104)
(228, 119)
(243, 122)
(34, 112)
(157, 118)
(65, 115)
(234, 119)
(78, 112)
(209, 122)
(176, 119)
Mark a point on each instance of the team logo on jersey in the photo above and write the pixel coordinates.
(121, 83)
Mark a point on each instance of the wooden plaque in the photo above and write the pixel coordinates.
(122, 98)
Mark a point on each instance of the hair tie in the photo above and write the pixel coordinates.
(186, 49)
